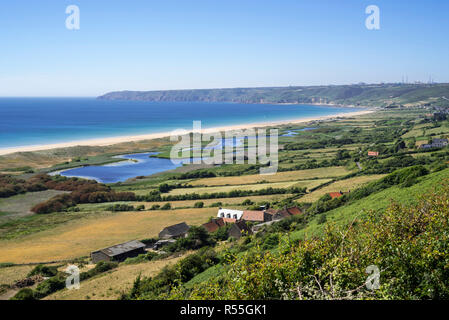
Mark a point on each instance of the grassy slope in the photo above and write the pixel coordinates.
(110, 285)
(377, 201)
(20, 205)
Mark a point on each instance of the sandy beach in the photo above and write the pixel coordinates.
(122, 139)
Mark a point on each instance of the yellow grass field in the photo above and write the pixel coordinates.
(343, 185)
(253, 187)
(278, 177)
(12, 274)
(79, 238)
(110, 285)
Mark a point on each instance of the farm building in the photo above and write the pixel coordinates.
(238, 229)
(118, 252)
(334, 195)
(214, 224)
(373, 153)
(256, 216)
(175, 231)
(436, 143)
(229, 213)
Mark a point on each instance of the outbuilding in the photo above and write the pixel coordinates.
(119, 252)
(239, 229)
(175, 231)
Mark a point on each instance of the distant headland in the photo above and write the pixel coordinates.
(358, 95)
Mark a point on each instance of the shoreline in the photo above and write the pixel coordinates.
(123, 139)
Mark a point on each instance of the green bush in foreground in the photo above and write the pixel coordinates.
(408, 244)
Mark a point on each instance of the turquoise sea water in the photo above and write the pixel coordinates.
(34, 121)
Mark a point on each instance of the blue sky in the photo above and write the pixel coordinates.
(152, 45)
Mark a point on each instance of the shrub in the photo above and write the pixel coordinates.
(166, 206)
(45, 271)
(199, 204)
(24, 294)
(407, 243)
(49, 286)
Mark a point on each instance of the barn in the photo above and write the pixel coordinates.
(118, 252)
(175, 231)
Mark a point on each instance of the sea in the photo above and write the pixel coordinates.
(36, 121)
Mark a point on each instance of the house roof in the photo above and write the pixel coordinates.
(253, 215)
(271, 211)
(241, 225)
(283, 213)
(229, 220)
(335, 194)
(122, 248)
(214, 225)
(220, 222)
(294, 211)
(177, 229)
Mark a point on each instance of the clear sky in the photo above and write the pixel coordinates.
(152, 45)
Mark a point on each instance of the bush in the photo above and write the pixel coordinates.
(166, 206)
(24, 294)
(120, 207)
(199, 204)
(216, 204)
(45, 271)
(49, 286)
(101, 267)
(141, 258)
(271, 241)
(407, 243)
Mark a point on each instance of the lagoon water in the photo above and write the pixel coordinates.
(140, 164)
(34, 121)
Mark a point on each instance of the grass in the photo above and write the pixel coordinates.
(12, 274)
(342, 185)
(278, 177)
(79, 237)
(20, 205)
(110, 285)
(40, 222)
(377, 201)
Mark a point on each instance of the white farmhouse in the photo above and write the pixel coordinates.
(229, 213)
